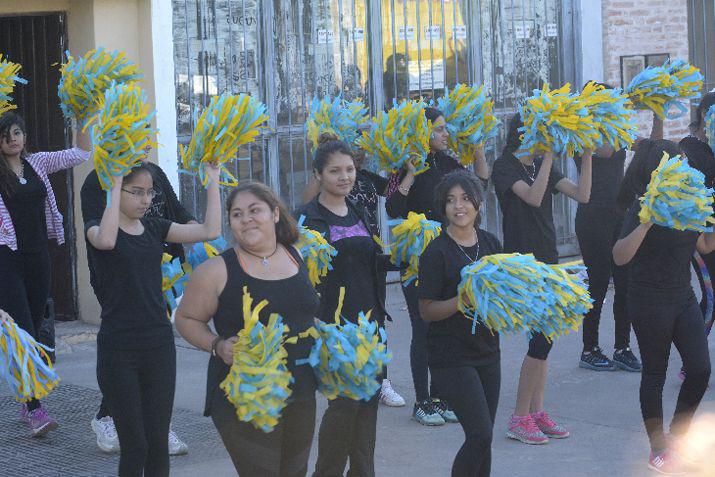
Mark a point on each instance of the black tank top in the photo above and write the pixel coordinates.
(294, 298)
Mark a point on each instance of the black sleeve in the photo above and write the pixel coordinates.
(159, 228)
(378, 181)
(554, 178)
(504, 175)
(93, 199)
(396, 203)
(177, 212)
(495, 245)
(631, 220)
(431, 271)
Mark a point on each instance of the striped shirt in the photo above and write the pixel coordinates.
(44, 163)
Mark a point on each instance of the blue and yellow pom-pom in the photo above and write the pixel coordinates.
(555, 120)
(676, 197)
(25, 364)
(659, 88)
(121, 131)
(348, 358)
(228, 122)
(85, 79)
(514, 293)
(398, 136)
(258, 381)
(316, 251)
(8, 77)
(470, 120)
(410, 238)
(336, 116)
(173, 278)
(687, 79)
(200, 252)
(710, 126)
(613, 115)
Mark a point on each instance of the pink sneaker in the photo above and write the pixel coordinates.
(40, 422)
(666, 463)
(524, 429)
(548, 426)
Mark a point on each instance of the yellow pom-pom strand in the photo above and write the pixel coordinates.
(612, 114)
(411, 237)
(9, 72)
(316, 251)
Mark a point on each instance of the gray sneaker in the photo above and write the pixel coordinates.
(425, 413)
(444, 410)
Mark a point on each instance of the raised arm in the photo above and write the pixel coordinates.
(481, 168)
(580, 192)
(625, 249)
(104, 235)
(533, 194)
(211, 228)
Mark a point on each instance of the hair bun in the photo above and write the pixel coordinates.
(326, 137)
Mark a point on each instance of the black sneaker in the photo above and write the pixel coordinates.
(444, 410)
(595, 360)
(426, 414)
(625, 359)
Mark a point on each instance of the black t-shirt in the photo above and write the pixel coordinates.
(606, 178)
(352, 267)
(128, 287)
(368, 186)
(660, 269)
(26, 206)
(700, 156)
(450, 342)
(526, 229)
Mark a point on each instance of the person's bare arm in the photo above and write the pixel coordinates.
(533, 194)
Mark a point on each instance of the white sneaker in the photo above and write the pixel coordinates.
(389, 397)
(107, 439)
(176, 445)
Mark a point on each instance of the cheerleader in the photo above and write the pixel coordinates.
(663, 309)
(348, 428)
(409, 193)
(136, 358)
(465, 366)
(28, 218)
(524, 184)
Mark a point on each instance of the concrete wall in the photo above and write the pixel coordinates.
(641, 27)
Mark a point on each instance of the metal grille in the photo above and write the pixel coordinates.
(287, 51)
(701, 26)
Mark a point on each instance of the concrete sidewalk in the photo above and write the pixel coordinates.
(600, 409)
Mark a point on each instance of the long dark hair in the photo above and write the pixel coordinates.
(468, 182)
(706, 102)
(647, 158)
(513, 136)
(8, 179)
(286, 228)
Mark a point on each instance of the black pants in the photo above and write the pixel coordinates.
(283, 452)
(25, 287)
(348, 430)
(598, 229)
(657, 325)
(418, 345)
(473, 394)
(139, 388)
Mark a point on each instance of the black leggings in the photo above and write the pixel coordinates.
(473, 394)
(25, 278)
(418, 345)
(597, 229)
(348, 430)
(139, 388)
(657, 325)
(283, 452)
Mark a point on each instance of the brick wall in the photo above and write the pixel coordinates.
(635, 27)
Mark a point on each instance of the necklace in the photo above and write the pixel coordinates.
(21, 175)
(471, 260)
(530, 171)
(264, 259)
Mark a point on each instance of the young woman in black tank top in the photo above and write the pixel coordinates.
(265, 261)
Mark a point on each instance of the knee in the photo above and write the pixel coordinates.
(539, 347)
(480, 441)
(699, 375)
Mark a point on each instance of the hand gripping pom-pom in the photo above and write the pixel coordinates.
(515, 293)
(228, 122)
(25, 364)
(84, 80)
(348, 358)
(398, 136)
(316, 251)
(469, 118)
(121, 132)
(258, 381)
(411, 237)
(8, 77)
(557, 121)
(676, 197)
(336, 116)
(200, 252)
(173, 279)
(613, 115)
(710, 126)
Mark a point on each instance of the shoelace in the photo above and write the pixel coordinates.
(108, 429)
(174, 438)
(532, 428)
(546, 419)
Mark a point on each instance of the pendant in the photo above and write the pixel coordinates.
(265, 261)
(22, 180)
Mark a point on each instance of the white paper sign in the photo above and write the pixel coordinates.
(406, 33)
(427, 74)
(358, 34)
(459, 32)
(433, 32)
(325, 36)
(522, 30)
(552, 30)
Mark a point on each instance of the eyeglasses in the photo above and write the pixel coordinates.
(140, 194)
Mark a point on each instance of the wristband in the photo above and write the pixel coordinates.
(214, 344)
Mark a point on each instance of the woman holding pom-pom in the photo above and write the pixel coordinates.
(136, 358)
(663, 309)
(524, 184)
(266, 262)
(465, 365)
(407, 193)
(28, 217)
(348, 428)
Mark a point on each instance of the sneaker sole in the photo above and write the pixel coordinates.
(591, 367)
(655, 469)
(180, 452)
(516, 437)
(558, 436)
(41, 431)
(392, 404)
(428, 424)
(625, 367)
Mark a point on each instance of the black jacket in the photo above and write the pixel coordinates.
(314, 220)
